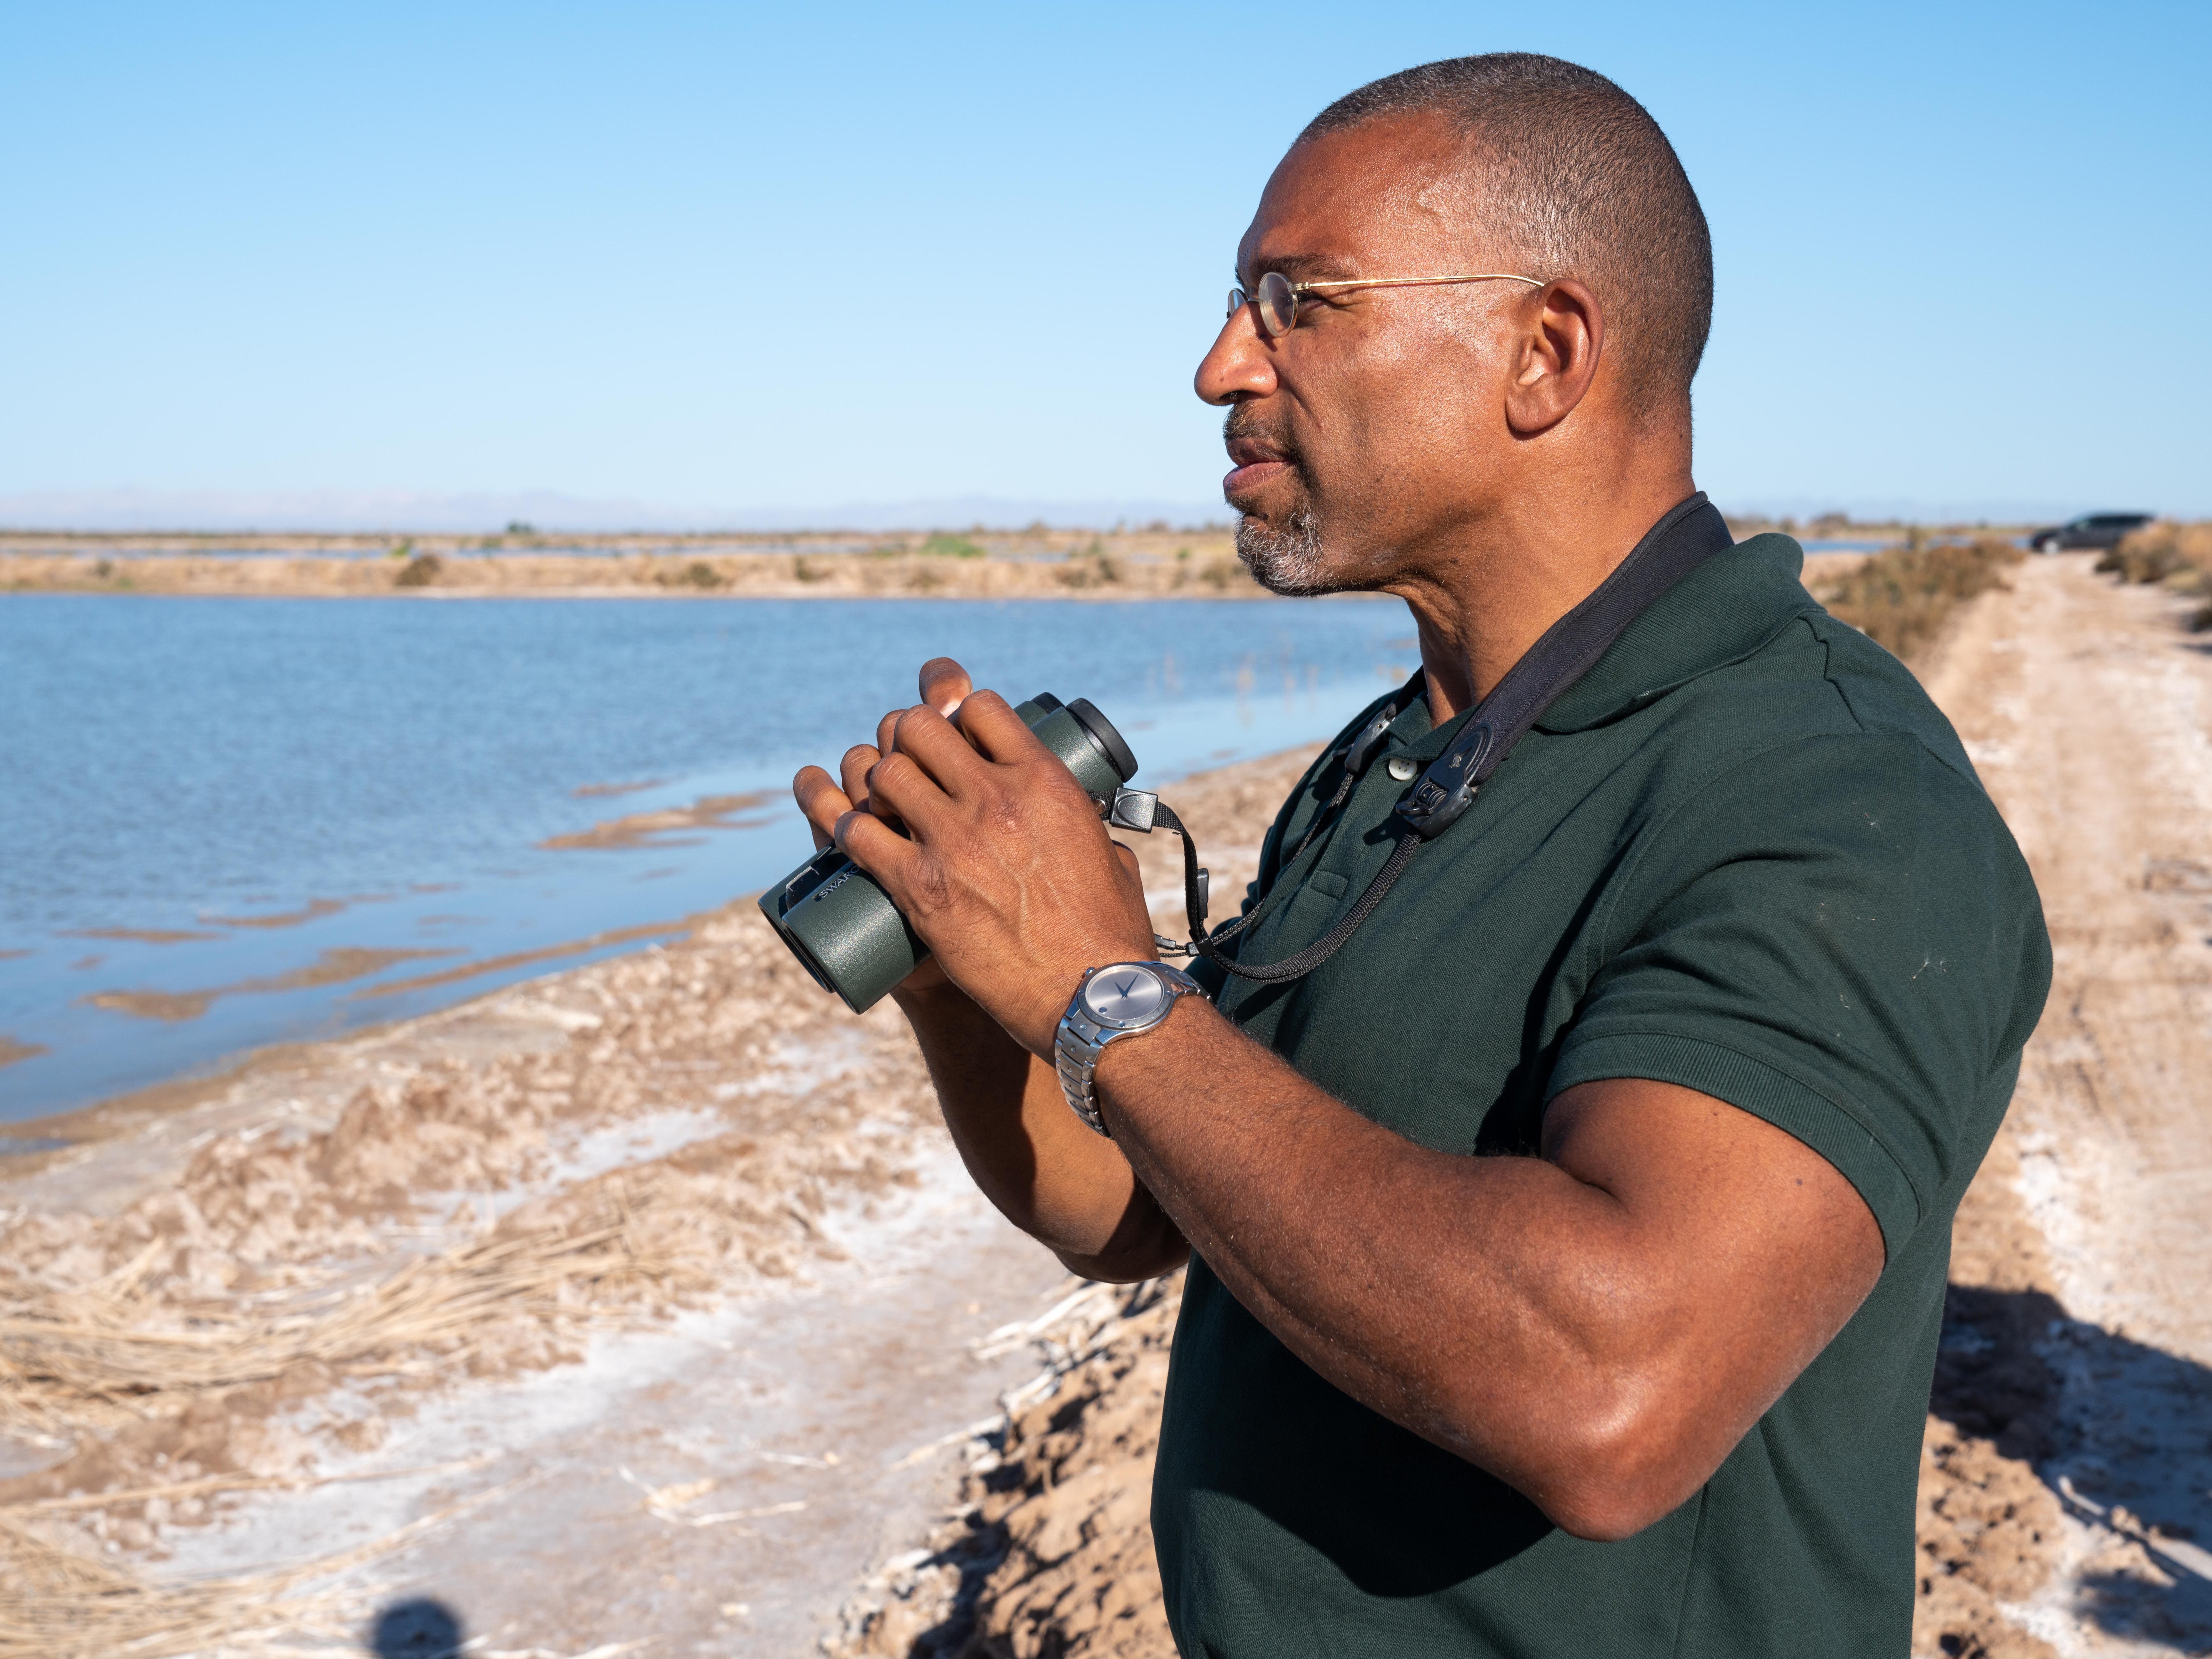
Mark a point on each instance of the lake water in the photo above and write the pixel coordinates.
(227, 823)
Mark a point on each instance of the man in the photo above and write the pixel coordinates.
(1567, 1251)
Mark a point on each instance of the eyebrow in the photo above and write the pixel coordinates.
(1300, 267)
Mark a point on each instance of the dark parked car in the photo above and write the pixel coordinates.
(2090, 530)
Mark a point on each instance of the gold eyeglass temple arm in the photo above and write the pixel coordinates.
(1417, 281)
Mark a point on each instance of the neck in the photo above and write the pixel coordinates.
(1493, 587)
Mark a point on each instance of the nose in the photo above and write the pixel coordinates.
(1240, 365)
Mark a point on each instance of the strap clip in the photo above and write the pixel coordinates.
(1132, 809)
(1448, 788)
(1360, 754)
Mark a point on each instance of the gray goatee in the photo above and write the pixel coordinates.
(1286, 561)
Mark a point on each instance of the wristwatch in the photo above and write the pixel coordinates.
(1113, 1002)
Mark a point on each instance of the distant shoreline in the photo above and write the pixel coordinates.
(1142, 564)
(1037, 564)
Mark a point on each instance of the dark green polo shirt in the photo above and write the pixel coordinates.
(1744, 854)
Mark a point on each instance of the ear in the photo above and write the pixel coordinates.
(1555, 357)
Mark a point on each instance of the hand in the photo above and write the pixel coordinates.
(1005, 868)
(823, 800)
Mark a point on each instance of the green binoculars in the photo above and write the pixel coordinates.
(841, 923)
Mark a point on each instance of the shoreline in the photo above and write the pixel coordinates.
(1120, 568)
(518, 1239)
(1145, 565)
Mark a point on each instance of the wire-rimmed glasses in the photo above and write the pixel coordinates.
(1275, 297)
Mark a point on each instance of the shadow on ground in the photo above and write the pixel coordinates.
(418, 1629)
(2120, 1432)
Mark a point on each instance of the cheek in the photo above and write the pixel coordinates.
(1404, 408)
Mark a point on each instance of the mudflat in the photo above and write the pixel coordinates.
(645, 1300)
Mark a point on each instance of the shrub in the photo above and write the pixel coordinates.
(2160, 550)
(943, 546)
(1901, 599)
(420, 571)
(1092, 568)
(1221, 570)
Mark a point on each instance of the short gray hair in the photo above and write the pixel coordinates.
(1586, 187)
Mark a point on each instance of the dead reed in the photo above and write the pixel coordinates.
(87, 1357)
(1901, 599)
(2179, 556)
(63, 1604)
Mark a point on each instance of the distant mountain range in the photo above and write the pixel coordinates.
(365, 510)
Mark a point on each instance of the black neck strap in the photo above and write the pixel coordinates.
(1689, 533)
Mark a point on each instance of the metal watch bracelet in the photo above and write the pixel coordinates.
(1085, 1031)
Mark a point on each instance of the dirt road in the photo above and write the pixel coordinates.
(2089, 713)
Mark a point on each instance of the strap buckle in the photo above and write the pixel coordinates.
(1448, 788)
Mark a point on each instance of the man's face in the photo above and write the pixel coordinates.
(1376, 422)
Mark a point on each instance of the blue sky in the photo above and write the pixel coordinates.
(740, 258)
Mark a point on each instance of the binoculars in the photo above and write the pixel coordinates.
(839, 921)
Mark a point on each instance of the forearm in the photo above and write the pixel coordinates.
(1450, 1294)
(1068, 1188)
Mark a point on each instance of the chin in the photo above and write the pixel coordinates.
(1290, 559)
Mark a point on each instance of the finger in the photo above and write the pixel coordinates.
(854, 767)
(899, 789)
(944, 683)
(887, 730)
(878, 849)
(821, 801)
(997, 732)
(1127, 859)
(935, 744)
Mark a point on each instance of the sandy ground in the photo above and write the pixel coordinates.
(652, 1296)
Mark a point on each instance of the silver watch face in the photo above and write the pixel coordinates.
(1128, 995)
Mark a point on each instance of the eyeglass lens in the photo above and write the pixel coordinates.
(1275, 301)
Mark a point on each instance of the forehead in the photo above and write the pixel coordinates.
(1372, 197)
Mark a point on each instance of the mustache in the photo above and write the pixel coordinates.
(1242, 420)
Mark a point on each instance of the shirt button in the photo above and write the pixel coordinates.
(1402, 767)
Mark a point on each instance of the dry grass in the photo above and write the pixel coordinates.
(2179, 556)
(82, 1358)
(1901, 600)
(63, 1604)
(81, 1361)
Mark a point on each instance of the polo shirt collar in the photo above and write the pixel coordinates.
(1723, 611)
(1720, 613)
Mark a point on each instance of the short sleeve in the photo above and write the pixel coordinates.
(1839, 936)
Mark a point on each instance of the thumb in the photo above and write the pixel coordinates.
(945, 685)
